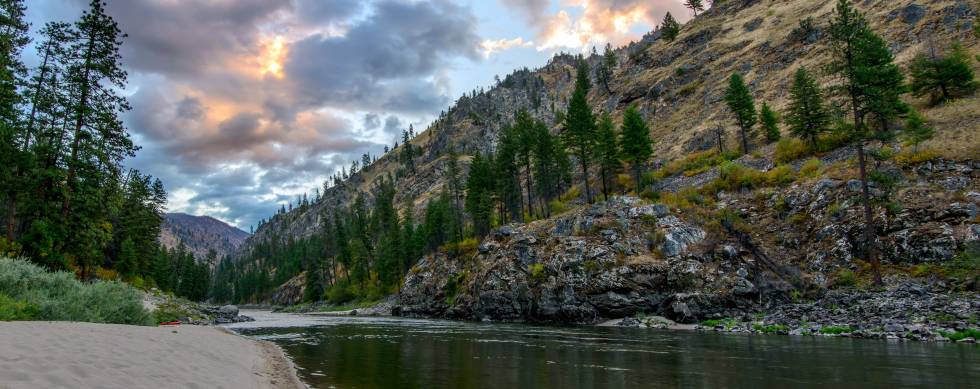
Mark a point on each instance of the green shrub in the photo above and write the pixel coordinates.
(60, 297)
(768, 329)
(11, 309)
(836, 330)
(537, 272)
(733, 177)
(845, 277)
(811, 168)
(791, 149)
(340, 293)
(781, 175)
(960, 335)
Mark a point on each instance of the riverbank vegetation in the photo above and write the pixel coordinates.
(29, 292)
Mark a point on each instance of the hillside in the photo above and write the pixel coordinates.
(199, 234)
(678, 86)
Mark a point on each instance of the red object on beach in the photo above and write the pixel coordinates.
(170, 323)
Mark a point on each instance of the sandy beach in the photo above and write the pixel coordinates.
(87, 355)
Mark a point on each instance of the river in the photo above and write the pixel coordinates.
(373, 352)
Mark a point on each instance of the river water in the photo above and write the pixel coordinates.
(370, 352)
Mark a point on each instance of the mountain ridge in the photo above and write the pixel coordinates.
(199, 234)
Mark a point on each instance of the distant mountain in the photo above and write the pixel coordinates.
(200, 234)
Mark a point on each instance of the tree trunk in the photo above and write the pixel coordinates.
(745, 140)
(79, 123)
(585, 177)
(870, 245)
(636, 175)
(37, 93)
(721, 145)
(605, 190)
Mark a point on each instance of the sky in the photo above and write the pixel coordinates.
(240, 106)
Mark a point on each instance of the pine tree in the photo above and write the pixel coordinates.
(605, 69)
(635, 143)
(580, 125)
(479, 192)
(695, 6)
(742, 105)
(770, 123)
(917, 131)
(669, 28)
(607, 153)
(872, 85)
(944, 78)
(806, 115)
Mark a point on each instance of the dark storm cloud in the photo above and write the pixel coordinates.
(386, 61)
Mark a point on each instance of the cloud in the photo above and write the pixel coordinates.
(532, 10)
(385, 62)
(243, 104)
(581, 24)
(491, 46)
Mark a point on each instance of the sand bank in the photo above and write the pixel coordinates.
(86, 355)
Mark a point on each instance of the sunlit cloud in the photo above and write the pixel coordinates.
(273, 55)
(596, 22)
(491, 46)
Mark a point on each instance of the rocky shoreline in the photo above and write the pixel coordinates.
(905, 312)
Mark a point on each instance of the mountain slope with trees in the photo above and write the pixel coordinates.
(200, 235)
(543, 142)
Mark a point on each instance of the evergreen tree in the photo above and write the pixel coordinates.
(580, 125)
(944, 78)
(669, 28)
(604, 71)
(607, 153)
(742, 105)
(479, 193)
(807, 117)
(770, 123)
(408, 151)
(635, 143)
(917, 131)
(872, 85)
(695, 6)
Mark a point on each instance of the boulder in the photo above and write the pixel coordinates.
(228, 311)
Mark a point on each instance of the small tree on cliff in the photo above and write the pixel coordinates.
(742, 105)
(635, 143)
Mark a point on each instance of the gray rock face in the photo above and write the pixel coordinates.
(913, 13)
(622, 257)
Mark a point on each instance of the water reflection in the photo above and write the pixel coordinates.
(359, 352)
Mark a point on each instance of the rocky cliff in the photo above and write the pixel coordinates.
(752, 253)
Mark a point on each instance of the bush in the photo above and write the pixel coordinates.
(781, 175)
(733, 177)
(769, 329)
(845, 277)
(537, 272)
(791, 149)
(811, 168)
(60, 297)
(836, 330)
(11, 309)
(340, 293)
(960, 335)
(909, 158)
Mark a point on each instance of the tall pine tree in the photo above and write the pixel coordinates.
(580, 125)
(635, 143)
(807, 117)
